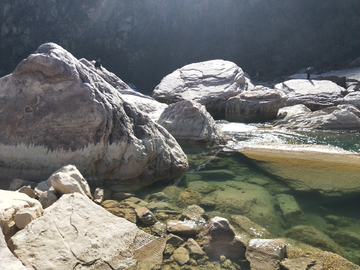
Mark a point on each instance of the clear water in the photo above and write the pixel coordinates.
(233, 176)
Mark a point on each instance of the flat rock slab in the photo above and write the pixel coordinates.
(329, 170)
(75, 232)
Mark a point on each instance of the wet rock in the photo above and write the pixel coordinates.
(310, 235)
(159, 196)
(256, 105)
(290, 210)
(265, 254)
(120, 210)
(181, 255)
(301, 264)
(337, 117)
(65, 237)
(210, 83)
(174, 240)
(329, 259)
(188, 197)
(245, 226)
(70, 113)
(185, 216)
(150, 256)
(338, 221)
(346, 238)
(16, 211)
(188, 227)
(335, 170)
(194, 249)
(196, 209)
(159, 229)
(201, 187)
(145, 216)
(189, 121)
(243, 198)
(153, 206)
(216, 238)
(314, 94)
(217, 175)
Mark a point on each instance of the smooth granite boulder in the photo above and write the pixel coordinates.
(188, 120)
(337, 117)
(211, 83)
(314, 94)
(57, 110)
(75, 233)
(257, 105)
(328, 170)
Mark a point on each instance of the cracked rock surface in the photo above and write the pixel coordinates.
(74, 233)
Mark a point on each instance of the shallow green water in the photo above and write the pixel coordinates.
(235, 186)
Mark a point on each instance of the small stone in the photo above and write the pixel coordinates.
(99, 195)
(301, 264)
(194, 248)
(183, 227)
(265, 254)
(145, 216)
(181, 255)
(28, 191)
(174, 240)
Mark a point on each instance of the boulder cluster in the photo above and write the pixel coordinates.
(68, 130)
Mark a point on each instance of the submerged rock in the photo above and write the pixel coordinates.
(328, 170)
(210, 83)
(310, 235)
(57, 110)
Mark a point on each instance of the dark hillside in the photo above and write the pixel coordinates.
(142, 41)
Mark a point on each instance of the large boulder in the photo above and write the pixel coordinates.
(57, 110)
(328, 170)
(337, 117)
(189, 120)
(75, 233)
(259, 104)
(312, 93)
(211, 83)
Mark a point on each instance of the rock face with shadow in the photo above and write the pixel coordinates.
(210, 83)
(57, 110)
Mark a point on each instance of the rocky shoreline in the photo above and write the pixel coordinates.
(67, 126)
